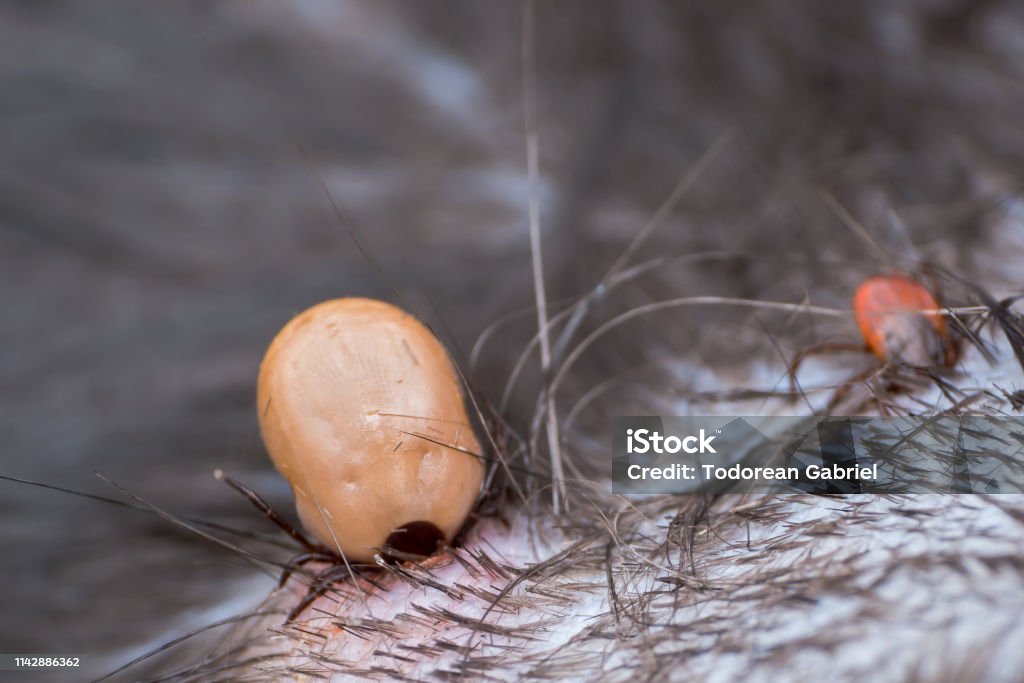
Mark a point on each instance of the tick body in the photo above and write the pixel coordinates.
(362, 412)
(899, 321)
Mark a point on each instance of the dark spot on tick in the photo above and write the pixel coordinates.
(416, 538)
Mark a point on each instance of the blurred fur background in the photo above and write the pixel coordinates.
(161, 216)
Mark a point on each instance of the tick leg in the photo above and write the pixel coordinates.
(317, 587)
(312, 594)
(301, 560)
(323, 581)
(265, 508)
(341, 571)
(817, 350)
(843, 389)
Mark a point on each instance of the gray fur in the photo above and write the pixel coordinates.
(158, 223)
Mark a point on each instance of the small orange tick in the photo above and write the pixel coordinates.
(903, 327)
(899, 320)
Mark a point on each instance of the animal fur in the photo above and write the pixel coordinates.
(161, 216)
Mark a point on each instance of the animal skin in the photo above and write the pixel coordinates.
(164, 210)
